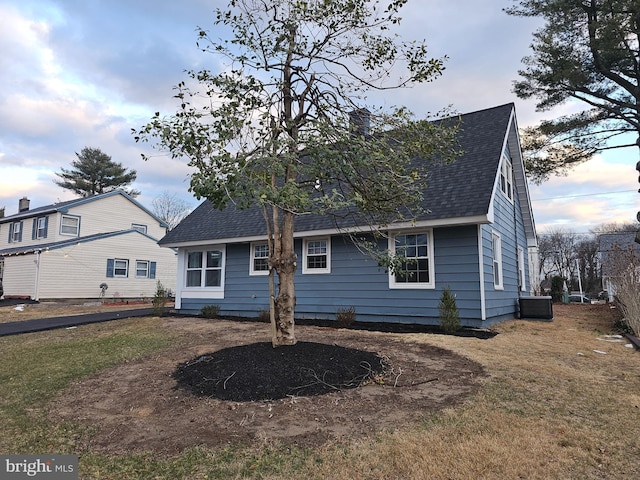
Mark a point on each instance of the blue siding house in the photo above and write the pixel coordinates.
(477, 237)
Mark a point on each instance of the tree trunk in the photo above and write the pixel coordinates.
(285, 265)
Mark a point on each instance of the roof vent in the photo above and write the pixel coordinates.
(23, 204)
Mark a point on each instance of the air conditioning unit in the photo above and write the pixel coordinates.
(538, 308)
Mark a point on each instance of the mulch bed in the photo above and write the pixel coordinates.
(260, 372)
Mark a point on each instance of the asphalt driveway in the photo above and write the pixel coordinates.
(39, 325)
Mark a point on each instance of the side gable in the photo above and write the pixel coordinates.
(64, 207)
(44, 247)
(511, 146)
(459, 193)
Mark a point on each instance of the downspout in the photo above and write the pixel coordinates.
(483, 306)
(36, 295)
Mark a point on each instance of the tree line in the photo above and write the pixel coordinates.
(566, 254)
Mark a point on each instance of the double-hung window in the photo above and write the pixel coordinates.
(415, 252)
(15, 232)
(506, 178)
(496, 249)
(70, 225)
(316, 254)
(259, 259)
(41, 227)
(204, 269)
(142, 269)
(121, 268)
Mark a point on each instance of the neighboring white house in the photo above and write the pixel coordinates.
(69, 249)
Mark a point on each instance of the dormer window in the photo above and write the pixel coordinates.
(40, 227)
(70, 225)
(15, 232)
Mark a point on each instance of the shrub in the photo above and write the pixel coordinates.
(264, 316)
(625, 270)
(345, 317)
(160, 299)
(210, 311)
(557, 288)
(449, 314)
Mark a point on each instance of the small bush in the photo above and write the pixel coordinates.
(449, 314)
(264, 316)
(345, 317)
(210, 311)
(557, 288)
(160, 299)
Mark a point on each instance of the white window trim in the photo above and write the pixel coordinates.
(430, 258)
(252, 257)
(306, 270)
(148, 269)
(496, 258)
(115, 267)
(182, 265)
(77, 227)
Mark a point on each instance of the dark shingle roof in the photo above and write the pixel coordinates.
(460, 189)
(26, 249)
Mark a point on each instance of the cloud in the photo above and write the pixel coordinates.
(599, 191)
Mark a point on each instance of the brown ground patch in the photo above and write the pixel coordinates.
(137, 406)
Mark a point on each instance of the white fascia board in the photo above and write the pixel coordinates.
(446, 222)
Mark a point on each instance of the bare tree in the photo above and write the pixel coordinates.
(170, 208)
(615, 228)
(588, 263)
(275, 131)
(557, 252)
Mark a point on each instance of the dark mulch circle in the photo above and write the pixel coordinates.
(260, 372)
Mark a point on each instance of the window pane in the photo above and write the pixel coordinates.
(142, 269)
(212, 278)
(194, 260)
(120, 268)
(69, 225)
(260, 264)
(261, 251)
(193, 278)
(318, 247)
(317, 261)
(214, 259)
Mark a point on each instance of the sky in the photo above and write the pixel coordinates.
(83, 73)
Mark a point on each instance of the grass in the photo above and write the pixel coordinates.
(35, 367)
(552, 408)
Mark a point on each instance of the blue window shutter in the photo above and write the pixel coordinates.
(20, 236)
(110, 267)
(34, 229)
(152, 270)
(10, 232)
